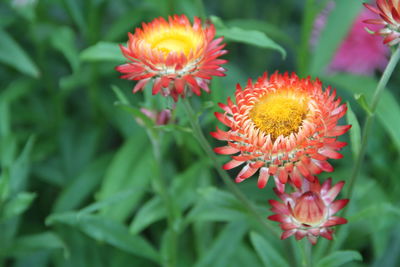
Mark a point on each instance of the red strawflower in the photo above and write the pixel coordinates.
(284, 126)
(174, 55)
(389, 12)
(309, 211)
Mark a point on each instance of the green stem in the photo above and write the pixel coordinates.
(306, 28)
(172, 212)
(370, 118)
(198, 133)
(367, 127)
(306, 253)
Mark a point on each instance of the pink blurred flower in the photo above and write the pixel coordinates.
(360, 52)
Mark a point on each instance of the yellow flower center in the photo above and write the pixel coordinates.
(279, 114)
(177, 40)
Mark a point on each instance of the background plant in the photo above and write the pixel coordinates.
(77, 187)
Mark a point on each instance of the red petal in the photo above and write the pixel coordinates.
(180, 86)
(140, 85)
(333, 192)
(330, 153)
(338, 130)
(326, 233)
(288, 226)
(300, 234)
(226, 150)
(156, 86)
(223, 118)
(323, 165)
(335, 221)
(296, 178)
(263, 178)
(312, 239)
(282, 175)
(232, 164)
(337, 205)
(279, 218)
(287, 234)
(372, 8)
(247, 172)
(278, 207)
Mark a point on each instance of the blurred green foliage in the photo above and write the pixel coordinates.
(77, 170)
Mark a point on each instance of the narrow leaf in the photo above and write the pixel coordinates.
(251, 37)
(267, 253)
(63, 39)
(103, 51)
(38, 242)
(363, 103)
(105, 230)
(355, 133)
(224, 246)
(338, 258)
(12, 54)
(17, 205)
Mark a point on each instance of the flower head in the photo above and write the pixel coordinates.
(284, 127)
(174, 55)
(309, 211)
(389, 12)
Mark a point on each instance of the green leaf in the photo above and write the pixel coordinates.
(17, 205)
(16, 90)
(113, 200)
(355, 133)
(182, 191)
(137, 114)
(4, 186)
(251, 37)
(120, 95)
(13, 55)
(150, 212)
(103, 51)
(338, 258)
(267, 253)
(38, 242)
(20, 168)
(129, 168)
(337, 26)
(75, 9)
(5, 124)
(105, 230)
(374, 211)
(216, 205)
(269, 29)
(81, 186)
(63, 39)
(123, 24)
(363, 103)
(225, 244)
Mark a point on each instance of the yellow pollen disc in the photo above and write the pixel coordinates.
(279, 114)
(174, 40)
